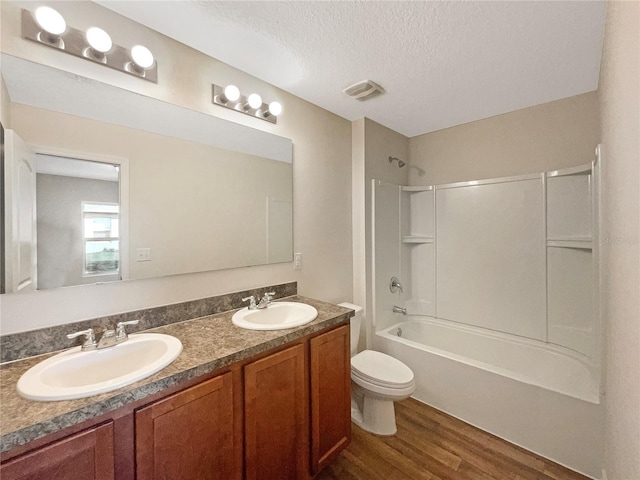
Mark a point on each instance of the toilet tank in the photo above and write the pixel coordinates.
(356, 321)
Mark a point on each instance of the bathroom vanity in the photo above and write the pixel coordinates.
(235, 404)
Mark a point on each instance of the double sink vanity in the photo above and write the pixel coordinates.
(255, 393)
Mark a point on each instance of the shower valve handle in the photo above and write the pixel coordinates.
(395, 285)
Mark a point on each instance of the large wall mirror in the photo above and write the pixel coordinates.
(104, 184)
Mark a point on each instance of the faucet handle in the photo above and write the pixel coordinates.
(395, 285)
(252, 302)
(90, 340)
(268, 296)
(121, 332)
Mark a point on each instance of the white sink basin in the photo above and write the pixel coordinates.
(276, 316)
(75, 374)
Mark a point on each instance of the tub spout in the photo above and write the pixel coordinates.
(401, 310)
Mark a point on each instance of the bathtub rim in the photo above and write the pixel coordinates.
(594, 397)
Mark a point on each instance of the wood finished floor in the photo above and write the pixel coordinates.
(432, 445)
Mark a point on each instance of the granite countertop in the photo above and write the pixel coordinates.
(209, 343)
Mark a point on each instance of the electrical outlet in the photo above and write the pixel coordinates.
(297, 261)
(143, 254)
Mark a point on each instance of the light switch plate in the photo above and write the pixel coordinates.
(143, 254)
(297, 261)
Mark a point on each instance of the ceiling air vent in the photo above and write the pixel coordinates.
(364, 90)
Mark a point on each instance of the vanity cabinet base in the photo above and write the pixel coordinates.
(276, 417)
(330, 396)
(88, 455)
(282, 415)
(189, 435)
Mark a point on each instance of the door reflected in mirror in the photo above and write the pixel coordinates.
(78, 221)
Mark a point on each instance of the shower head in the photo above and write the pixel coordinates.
(400, 162)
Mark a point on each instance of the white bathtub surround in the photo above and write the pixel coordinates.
(516, 254)
(544, 400)
(501, 291)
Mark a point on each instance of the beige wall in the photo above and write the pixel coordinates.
(619, 95)
(359, 202)
(5, 111)
(379, 143)
(322, 177)
(551, 136)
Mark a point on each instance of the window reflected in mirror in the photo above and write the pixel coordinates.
(78, 221)
(101, 238)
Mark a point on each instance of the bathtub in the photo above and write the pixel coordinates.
(539, 396)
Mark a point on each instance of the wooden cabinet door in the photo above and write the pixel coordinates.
(189, 435)
(330, 396)
(87, 455)
(276, 417)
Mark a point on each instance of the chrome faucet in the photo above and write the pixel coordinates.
(401, 310)
(109, 337)
(265, 301)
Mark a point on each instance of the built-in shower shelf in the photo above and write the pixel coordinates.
(585, 169)
(419, 188)
(584, 243)
(417, 239)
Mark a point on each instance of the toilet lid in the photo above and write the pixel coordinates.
(381, 369)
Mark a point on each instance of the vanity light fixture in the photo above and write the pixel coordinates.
(230, 97)
(52, 25)
(275, 108)
(142, 57)
(47, 27)
(253, 101)
(231, 93)
(99, 43)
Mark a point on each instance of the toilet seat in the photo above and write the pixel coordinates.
(379, 369)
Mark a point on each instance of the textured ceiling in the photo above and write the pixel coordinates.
(441, 63)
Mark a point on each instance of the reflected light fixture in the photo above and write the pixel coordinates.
(230, 97)
(47, 27)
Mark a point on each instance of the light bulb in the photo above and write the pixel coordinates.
(275, 108)
(50, 20)
(255, 101)
(231, 93)
(142, 56)
(99, 40)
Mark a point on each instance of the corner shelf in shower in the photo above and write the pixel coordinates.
(419, 188)
(584, 243)
(417, 239)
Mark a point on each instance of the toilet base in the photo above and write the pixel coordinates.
(379, 417)
(373, 414)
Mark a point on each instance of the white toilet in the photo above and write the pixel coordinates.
(377, 380)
